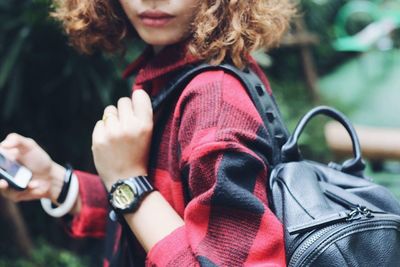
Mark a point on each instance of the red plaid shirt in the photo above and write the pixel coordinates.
(207, 161)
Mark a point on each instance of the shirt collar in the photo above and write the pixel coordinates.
(150, 67)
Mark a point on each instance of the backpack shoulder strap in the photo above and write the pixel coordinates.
(263, 101)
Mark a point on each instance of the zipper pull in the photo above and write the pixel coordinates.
(358, 213)
(320, 223)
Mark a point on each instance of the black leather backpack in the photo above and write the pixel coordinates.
(332, 214)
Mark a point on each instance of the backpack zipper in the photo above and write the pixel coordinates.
(329, 223)
(297, 251)
(382, 220)
(356, 213)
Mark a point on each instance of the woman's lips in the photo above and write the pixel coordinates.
(155, 18)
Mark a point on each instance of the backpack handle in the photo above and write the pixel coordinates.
(290, 151)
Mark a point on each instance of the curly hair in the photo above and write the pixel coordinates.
(234, 28)
(221, 29)
(93, 24)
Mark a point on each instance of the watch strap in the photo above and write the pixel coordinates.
(142, 185)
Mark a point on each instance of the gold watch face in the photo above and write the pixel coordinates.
(123, 196)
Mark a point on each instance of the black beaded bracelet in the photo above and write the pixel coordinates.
(67, 181)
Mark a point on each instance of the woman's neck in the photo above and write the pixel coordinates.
(157, 48)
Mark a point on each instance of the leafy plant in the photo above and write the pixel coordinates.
(46, 255)
(53, 94)
(47, 90)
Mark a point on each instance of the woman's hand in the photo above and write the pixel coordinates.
(121, 141)
(47, 176)
(121, 144)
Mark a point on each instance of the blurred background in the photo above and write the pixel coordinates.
(343, 53)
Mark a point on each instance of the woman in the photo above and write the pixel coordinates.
(209, 206)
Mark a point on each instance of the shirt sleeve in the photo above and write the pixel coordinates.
(223, 152)
(91, 220)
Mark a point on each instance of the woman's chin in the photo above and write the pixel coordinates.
(161, 39)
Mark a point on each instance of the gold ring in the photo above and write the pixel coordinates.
(105, 117)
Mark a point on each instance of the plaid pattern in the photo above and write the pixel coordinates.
(208, 161)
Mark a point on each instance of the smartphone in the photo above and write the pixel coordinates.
(15, 174)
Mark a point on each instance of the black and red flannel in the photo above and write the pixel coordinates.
(207, 161)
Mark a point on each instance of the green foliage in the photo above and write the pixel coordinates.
(320, 16)
(294, 102)
(47, 90)
(46, 255)
(53, 94)
(388, 176)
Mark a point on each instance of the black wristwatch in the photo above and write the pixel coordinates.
(126, 195)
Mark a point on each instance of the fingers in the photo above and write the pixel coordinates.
(6, 190)
(14, 140)
(125, 111)
(36, 189)
(15, 145)
(110, 116)
(98, 135)
(3, 185)
(139, 106)
(125, 118)
(9, 193)
(110, 112)
(142, 105)
(11, 140)
(111, 120)
(9, 153)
